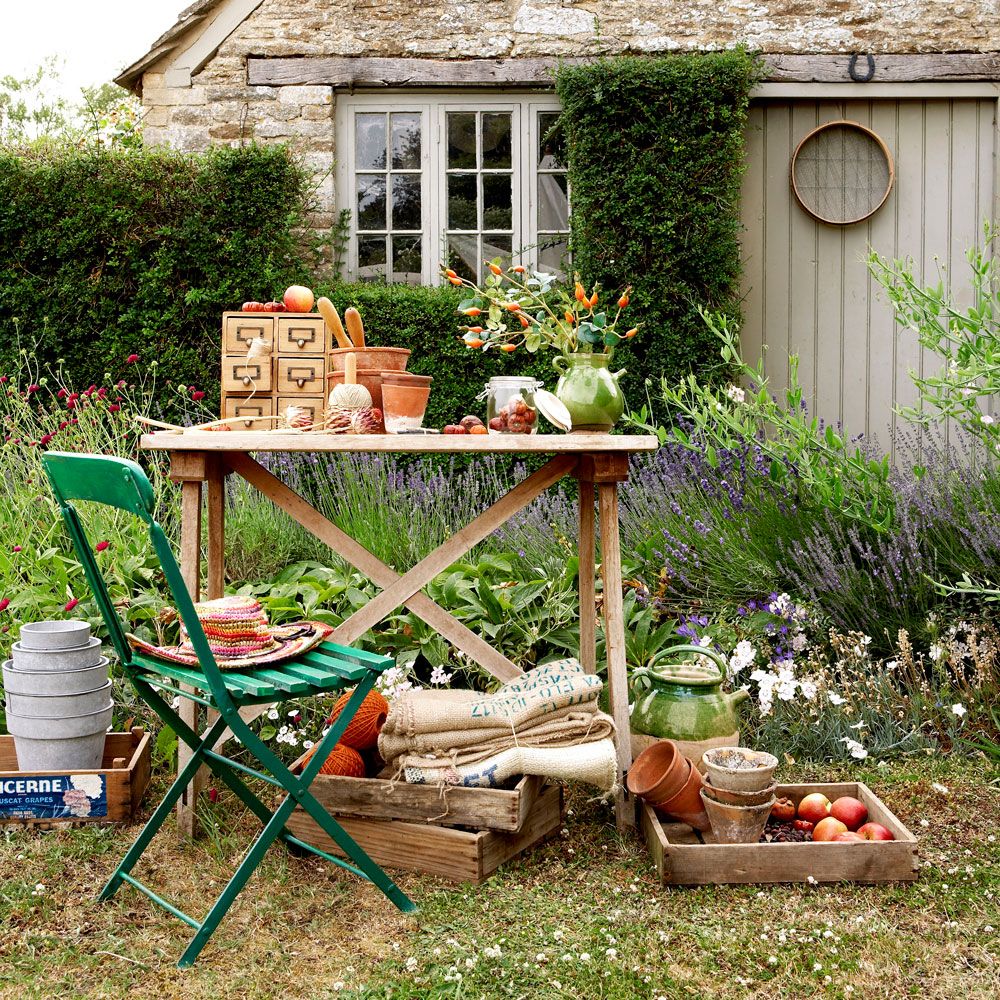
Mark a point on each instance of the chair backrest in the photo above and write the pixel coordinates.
(118, 482)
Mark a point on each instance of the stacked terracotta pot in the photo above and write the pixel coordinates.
(664, 778)
(399, 394)
(738, 793)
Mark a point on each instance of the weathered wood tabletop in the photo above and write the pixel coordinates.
(599, 462)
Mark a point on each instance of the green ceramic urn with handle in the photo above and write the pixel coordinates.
(684, 701)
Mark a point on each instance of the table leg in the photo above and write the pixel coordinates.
(215, 584)
(588, 613)
(614, 638)
(191, 571)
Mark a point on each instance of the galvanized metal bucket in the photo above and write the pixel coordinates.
(75, 743)
(67, 658)
(59, 706)
(18, 681)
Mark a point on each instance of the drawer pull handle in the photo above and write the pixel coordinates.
(247, 380)
(301, 343)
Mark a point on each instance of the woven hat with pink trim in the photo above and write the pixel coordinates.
(239, 636)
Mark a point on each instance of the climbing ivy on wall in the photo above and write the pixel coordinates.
(655, 151)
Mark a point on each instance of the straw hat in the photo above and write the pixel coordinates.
(239, 636)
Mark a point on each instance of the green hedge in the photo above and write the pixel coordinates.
(655, 152)
(109, 253)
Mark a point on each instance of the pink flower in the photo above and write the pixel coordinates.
(17, 548)
(4, 378)
(120, 384)
(101, 546)
(33, 388)
(196, 396)
(71, 604)
(132, 359)
(102, 392)
(4, 603)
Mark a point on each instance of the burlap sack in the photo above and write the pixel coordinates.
(538, 692)
(594, 763)
(566, 729)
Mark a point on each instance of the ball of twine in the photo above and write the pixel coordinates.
(344, 761)
(362, 731)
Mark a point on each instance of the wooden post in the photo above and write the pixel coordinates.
(607, 471)
(585, 549)
(215, 584)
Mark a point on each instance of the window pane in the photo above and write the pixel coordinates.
(406, 259)
(406, 201)
(496, 141)
(462, 202)
(553, 202)
(371, 201)
(371, 257)
(497, 201)
(405, 142)
(497, 245)
(461, 140)
(463, 256)
(551, 144)
(552, 253)
(369, 133)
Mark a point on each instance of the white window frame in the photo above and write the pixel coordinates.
(433, 109)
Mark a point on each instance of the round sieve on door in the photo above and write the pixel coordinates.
(842, 173)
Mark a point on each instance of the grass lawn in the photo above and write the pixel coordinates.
(581, 917)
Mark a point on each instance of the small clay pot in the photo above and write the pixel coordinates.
(370, 378)
(732, 779)
(687, 805)
(737, 824)
(740, 798)
(390, 359)
(404, 406)
(658, 773)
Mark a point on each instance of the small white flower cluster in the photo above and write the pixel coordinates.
(854, 747)
(783, 683)
(736, 394)
(742, 657)
(440, 677)
(393, 682)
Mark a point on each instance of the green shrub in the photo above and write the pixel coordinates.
(140, 252)
(655, 161)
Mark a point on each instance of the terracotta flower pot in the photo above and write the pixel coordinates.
(737, 824)
(390, 359)
(658, 773)
(740, 798)
(403, 406)
(687, 805)
(740, 779)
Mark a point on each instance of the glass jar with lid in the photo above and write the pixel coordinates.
(510, 404)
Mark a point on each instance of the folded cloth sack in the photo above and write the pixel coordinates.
(594, 763)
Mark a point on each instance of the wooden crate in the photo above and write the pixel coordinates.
(503, 810)
(458, 855)
(682, 859)
(36, 798)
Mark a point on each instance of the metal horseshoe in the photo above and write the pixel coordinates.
(852, 68)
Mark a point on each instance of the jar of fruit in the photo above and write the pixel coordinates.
(510, 404)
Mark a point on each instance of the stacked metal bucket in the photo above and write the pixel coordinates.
(58, 697)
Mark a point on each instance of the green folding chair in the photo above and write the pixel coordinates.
(328, 667)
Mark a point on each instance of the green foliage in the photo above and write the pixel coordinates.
(966, 339)
(140, 252)
(655, 161)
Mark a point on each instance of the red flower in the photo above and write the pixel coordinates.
(62, 394)
(196, 396)
(46, 438)
(113, 408)
(71, 403)
(213, 795)
(4, 603)
(102, 392)
(17, 548)
(4, 378)
(71, 604)
(132, 359)
(63, 424)
(33, 388)
(101, 546)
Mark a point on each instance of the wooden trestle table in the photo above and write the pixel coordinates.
(599, 462)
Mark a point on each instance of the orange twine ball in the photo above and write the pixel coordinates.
(344, 761)
(362, 731)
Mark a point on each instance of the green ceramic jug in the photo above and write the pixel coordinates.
(684, 701)
(589, 390)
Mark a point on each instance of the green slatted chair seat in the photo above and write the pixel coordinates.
(326, 668)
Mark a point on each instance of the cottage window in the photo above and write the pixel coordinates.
(451, 180)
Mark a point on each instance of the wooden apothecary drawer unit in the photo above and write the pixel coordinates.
(293, 374)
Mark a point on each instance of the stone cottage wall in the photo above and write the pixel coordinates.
(220, 107)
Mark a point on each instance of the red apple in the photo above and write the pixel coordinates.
(849, 810)
(827, 829)
(298, 299)
(804, 825)
(875, 831)
(814, 807)
(783, 810)
(849, 838)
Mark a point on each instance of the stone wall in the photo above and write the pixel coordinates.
(220, 107)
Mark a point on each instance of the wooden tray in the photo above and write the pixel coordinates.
(35, 798)
(500, 809)
(459, 855)
(682, 859)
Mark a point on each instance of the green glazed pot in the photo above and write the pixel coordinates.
(589, 391)
(684, 701)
